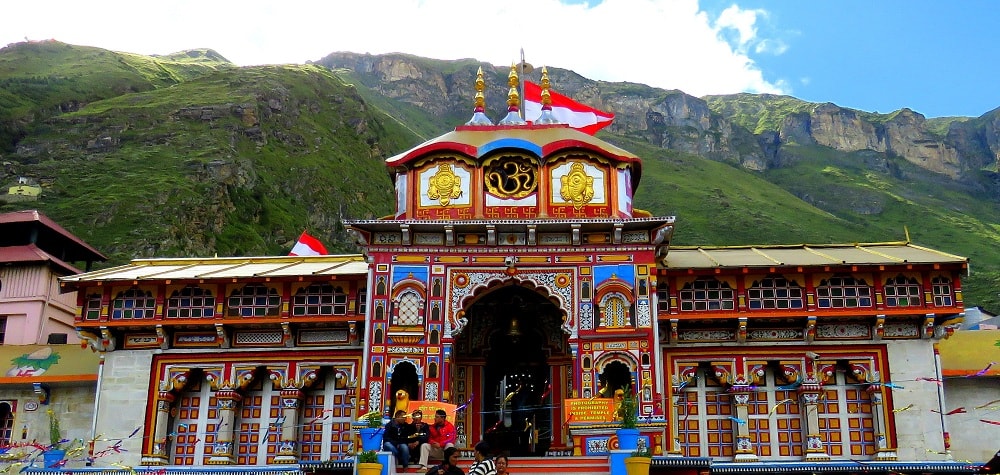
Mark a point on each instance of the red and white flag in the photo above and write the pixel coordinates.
(308, 246)
(579, 116)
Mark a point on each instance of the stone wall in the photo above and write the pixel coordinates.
(122, 405)
(919, 435)
(972, 439)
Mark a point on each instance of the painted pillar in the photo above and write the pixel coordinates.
(809, 397)
(222, 451)
(744, 448)
(288, 439)
(158, 455)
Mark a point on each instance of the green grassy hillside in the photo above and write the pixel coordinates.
(185, 155)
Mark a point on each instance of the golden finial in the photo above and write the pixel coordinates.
(480, 87)
(546, 96)
(513, 100)
(546, 116)
(479, 113)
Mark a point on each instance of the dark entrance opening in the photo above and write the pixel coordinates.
(517, 402)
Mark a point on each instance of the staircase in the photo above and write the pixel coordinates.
(591, 465)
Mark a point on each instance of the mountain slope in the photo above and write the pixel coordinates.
(196, 157)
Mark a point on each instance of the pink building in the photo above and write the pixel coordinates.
(34, 253)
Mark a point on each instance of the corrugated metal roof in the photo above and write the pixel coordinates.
(226, 268)
(683, 257)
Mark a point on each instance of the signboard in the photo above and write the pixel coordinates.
(428, 408)
(588, 410)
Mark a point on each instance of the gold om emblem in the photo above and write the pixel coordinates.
(445, 185)
(512, 178)
(577, 186)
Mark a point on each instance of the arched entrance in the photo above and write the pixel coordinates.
(513, 356)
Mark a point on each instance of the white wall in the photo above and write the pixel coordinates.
(122, 404)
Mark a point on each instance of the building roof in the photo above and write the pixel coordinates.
(225, 268)
(33, 227)
(30, 253)
(689, 257)
(477, 141)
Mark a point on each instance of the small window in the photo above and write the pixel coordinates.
(319, 299)
(191, 302)
(3, 329)
(92, 307)
(901, 291)
(943, 296)
(843, 292)
(707, 294)
(133, 304)
(254, 300)
(775, 293)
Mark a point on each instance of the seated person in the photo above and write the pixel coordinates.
(396, 438)
(450, 464)
(440, 435)
(419, 434)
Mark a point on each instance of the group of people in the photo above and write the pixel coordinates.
(484, 464)
(422, 441)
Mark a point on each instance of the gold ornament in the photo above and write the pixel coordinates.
(577, 187)
(445, 185)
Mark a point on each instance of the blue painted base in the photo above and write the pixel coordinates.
(388, 462)
(617, 461)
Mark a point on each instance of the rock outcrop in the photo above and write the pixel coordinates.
(678, 121)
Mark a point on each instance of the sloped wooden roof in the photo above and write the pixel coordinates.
(890, 253)
(225, 268)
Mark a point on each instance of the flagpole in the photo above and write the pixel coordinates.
(520, 84)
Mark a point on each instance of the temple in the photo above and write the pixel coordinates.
(516, 284)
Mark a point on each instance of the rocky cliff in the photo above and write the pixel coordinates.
(748, 130)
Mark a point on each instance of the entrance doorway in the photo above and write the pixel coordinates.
(516, 354)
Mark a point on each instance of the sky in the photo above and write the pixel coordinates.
(936, 58)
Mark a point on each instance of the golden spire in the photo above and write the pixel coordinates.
(479, 113)
(546, 116)
(513, 100)
(546, 96)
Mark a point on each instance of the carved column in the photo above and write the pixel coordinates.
(882, 450)
(809, 394)
(288, 438)
(158, 453)
(744, 448)
(222, 451)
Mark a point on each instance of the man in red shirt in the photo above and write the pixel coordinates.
(441, 435)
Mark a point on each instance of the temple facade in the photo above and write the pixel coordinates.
(516, 281)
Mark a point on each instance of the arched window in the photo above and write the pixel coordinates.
(843, 291)
(774, 292)
(191, 302)
(133, 304)
(319, 299)
(706, 294)
(902, 291)
(254, 300)
(944, 295)
(6, 422)
(615, 311)
(409, 310)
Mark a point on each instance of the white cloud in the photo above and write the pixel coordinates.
(664, 43)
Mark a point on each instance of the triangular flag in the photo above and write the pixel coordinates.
(579, 116)
(308, 246)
